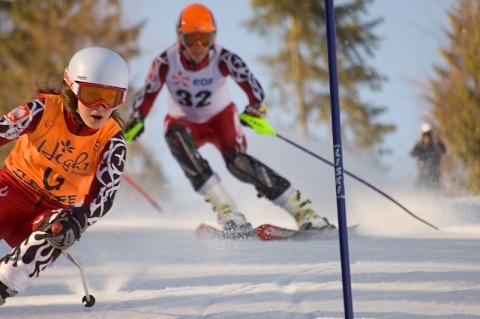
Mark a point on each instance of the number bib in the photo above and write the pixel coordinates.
(196, 96)
(56, 163)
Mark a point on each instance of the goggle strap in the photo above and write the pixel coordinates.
(72, 84)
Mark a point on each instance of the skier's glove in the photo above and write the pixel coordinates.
(134, 127)
(61, 227)
(258, 110)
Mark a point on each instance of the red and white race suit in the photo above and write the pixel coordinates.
(198, 95)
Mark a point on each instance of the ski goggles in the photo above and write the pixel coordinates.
(92, 95)
(205, 39)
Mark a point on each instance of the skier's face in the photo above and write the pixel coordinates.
(197, 45)
(197, 53)
(94, 117)
(427, 138)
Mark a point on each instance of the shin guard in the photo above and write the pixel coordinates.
(250, 170)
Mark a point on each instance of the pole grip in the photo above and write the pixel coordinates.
(260, 125)
(130, 135)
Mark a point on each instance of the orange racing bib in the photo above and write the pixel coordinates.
(55, 162)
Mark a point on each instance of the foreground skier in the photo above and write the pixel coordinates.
(70, 149)
(201, 111)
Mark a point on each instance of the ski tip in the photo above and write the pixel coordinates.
(205, 232)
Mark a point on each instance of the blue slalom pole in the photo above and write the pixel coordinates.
(338, 160)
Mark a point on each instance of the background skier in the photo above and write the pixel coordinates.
(200, 111)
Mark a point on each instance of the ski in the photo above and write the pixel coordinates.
(269, 232)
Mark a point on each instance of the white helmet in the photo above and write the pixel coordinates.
(98, 66)
(426, 127)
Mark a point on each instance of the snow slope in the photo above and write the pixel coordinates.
(142, 264)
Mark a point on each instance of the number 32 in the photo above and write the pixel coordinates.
(201, 99)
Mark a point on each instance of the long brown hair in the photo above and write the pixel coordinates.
(70, 101)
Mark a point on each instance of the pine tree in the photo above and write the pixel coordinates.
(454, 93)
(300, 64)
(37, 40)
(40, 36)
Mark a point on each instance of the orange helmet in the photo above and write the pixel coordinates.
(196, 18)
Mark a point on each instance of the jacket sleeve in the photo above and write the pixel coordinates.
(22, 120)
(106, 182)
(145, 97)
(231, 64)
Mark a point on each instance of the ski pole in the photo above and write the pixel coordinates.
(141, 191)
(261, 126)
(88, 299)
(133, 132)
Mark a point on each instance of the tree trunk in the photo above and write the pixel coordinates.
(297, 75)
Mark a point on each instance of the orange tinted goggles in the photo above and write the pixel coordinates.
(205, 39)
(93, 95)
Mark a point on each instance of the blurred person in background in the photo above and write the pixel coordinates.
(428, 152)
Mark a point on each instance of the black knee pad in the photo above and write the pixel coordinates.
(250, 170)
(184, 149)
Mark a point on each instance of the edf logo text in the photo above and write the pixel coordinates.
(202, 82)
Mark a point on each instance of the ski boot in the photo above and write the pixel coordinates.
(304, 214)
(6, 292)
(233, 222)
(308, 220)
